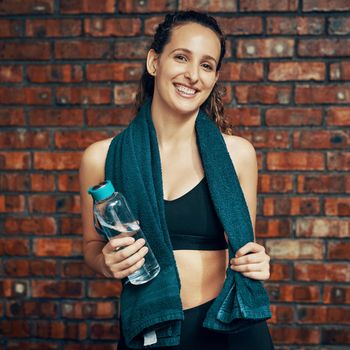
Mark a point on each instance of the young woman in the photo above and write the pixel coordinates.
(180, 78)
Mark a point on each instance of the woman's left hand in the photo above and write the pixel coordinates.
(252, 261)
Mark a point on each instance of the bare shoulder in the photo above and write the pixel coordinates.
(94, 158)
(242, 153)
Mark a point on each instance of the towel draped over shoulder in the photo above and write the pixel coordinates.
(133, 165)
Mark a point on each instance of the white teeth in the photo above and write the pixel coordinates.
(185, 90)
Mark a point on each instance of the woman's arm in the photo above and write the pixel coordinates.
(251, 259)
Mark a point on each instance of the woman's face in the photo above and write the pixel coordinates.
(185, 72)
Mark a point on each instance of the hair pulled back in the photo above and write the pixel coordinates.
(213, 105)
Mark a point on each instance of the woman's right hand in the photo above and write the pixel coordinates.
(123, 256)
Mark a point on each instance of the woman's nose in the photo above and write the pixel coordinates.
(191, 73)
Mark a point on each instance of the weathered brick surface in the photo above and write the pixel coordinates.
(69, 71)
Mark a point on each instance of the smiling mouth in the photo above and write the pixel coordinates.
(184, 90)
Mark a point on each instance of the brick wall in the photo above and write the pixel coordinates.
(68, 72)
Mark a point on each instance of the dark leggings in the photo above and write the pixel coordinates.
(194, 336)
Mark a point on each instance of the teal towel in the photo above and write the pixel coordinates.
(133, 165)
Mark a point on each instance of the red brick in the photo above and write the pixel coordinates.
(293, 116)
(263, 94)
(281, 314)
(321, 139)
(338, 160)
(323, 314)
(48, 329)
(337, 206)
(56, 289)
(68, 183)
(265, 48)
(25, 50)
(338, 250)
(339, 25)
(76, 269)
(15, 160)
(209, 6)
(87, 6)
(89, 310)
(268, 5)
(10, 28)
(56, 117)
(55, 73)
(151, 24)
(26, 268)
(125, 94)
(336, 294)
(324, 47)
(335, 183)
(12, 203)
(78, 139)
(33, 225)
(232, 71)
(10, 181)
(57, 160)
(46, 28)
(146, 6)
(266, 138)
(322, 227)
(295, 249)
(15, 328)
(268, 183)
(12, 7)
(42, 182)
(293, 335)
(31, 309)
(109, 117)
(320, 94)
(83, 95)
(295, 25)
(227, 93)
(243, 116)
(295, 293)
(14, 247)
(11, 117)
(340, 71)
(104, 289)
(322, 272)
(104, 330)
(332, 335)
(285, 71)
(57, 247)
(78, 49)
(244, 25)
(325, 5)
(280, 272)
(131, 48)
(114, 71)
(104, 27)
(24, 139)
(11, 73)
(82, 346)
(291, 206)
(25, 95)
(273, 228)
(71, 225)
(295, 160)
(42, 204)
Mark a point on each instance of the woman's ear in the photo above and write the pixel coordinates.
(152, 62)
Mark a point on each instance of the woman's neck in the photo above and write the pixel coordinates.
(173, 129)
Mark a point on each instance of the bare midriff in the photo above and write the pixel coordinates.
(202, 275)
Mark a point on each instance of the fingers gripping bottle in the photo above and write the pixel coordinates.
(111, 211)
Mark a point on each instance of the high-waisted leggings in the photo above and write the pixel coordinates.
(196, 337)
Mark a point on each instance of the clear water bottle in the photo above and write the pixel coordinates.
(112, 212)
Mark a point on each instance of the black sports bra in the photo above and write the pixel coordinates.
(192, 221)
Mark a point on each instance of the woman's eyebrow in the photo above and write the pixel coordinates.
(208, 57)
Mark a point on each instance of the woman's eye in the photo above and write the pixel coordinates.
(180, 57)
(207, 66)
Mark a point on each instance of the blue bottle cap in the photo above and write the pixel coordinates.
(101, 191)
